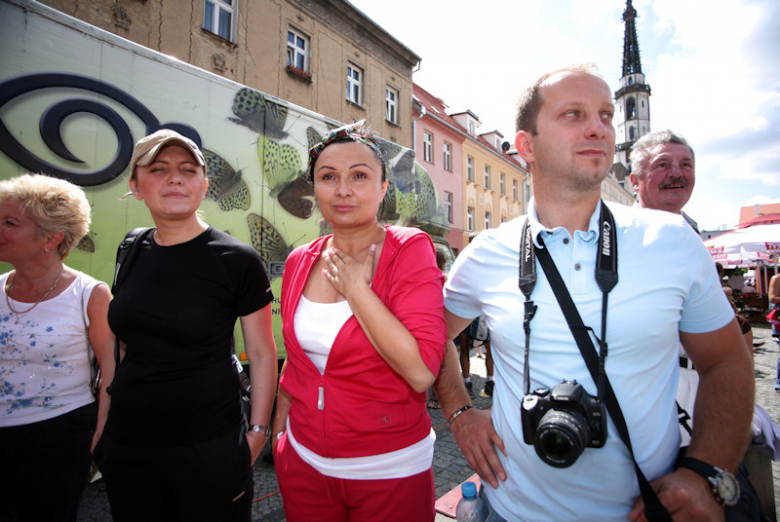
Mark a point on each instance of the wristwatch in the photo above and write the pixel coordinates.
(724, 485)
(265, 430)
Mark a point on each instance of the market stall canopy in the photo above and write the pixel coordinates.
(757, 238)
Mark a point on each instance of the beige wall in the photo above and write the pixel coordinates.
(338, 34)
(489, 200)
(611, 190)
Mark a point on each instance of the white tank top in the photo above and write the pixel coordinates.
(45, 357)
(316, 327)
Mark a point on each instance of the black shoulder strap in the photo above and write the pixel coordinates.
(654, 509)
(126, 253)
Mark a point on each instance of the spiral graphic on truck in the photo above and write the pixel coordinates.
(53, 117)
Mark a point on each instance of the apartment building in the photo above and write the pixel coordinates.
(438, 145)
(497, 186)
(323, 55)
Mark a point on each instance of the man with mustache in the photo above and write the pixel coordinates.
(665, 290)
(663, 176)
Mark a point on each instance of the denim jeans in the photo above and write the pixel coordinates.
(492, 515)
(777, 379)
(776, 332)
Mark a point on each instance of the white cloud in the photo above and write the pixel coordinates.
(752, 167)
(761, 200)
(712, 214)
(712, 66)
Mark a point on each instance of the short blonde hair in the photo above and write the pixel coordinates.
(55, 205)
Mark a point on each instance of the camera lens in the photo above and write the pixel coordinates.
(561, 437)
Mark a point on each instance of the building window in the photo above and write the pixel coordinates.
(514, 189)
(631, 133)
(526, 196)
(447, 156)
(448, 205)
(297, 51)
(391, 105)
(503, 218)
(487, 176)
(470, 219)
(631, 109)
(502, 184)
(354, 83)
(487, 220)
(428, 147)
(469, 168)
(472, 128)
(218, 18)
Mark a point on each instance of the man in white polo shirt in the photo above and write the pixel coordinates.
(666, 290)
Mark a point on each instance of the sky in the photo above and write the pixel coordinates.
(713, 67)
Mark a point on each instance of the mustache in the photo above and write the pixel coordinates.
(675, 181)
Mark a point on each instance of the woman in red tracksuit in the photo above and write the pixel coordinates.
(364, 330)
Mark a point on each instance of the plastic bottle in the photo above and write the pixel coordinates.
(471, 508)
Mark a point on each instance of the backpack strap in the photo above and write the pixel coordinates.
(126, 253)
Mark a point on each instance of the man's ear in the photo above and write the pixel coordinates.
(524, 143)
(634, 181)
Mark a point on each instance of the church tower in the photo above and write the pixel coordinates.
(632, 100)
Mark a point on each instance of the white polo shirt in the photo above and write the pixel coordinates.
(667, 284)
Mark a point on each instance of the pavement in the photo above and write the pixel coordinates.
(449, 465)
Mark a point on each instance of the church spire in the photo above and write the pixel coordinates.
(632, 100)
(631, 62)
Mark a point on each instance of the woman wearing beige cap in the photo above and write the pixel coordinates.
(170, 439)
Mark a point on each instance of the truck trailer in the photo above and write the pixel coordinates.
(74, 99)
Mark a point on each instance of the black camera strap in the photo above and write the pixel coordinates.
(606, 278)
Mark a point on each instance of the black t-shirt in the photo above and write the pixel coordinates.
(176, 311)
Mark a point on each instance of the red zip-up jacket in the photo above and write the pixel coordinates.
(360, 406)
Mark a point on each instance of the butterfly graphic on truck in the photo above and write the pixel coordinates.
(269, 243)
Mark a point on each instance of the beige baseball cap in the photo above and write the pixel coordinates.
(148, 147)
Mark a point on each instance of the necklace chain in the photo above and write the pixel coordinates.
(21, 313)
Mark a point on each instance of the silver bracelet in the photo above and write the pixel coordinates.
(457, 413)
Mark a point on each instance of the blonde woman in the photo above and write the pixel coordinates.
(51, 317)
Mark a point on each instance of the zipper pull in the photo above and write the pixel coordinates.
(321, 399)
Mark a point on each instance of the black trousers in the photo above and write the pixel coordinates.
(209, 481)
(45, 466)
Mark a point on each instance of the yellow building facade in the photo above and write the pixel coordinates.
(496, 188)
(323, 55)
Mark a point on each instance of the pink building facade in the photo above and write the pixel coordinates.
(438, 143)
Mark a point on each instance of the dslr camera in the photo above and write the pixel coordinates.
(563, 422)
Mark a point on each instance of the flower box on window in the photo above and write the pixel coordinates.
(299, 72)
